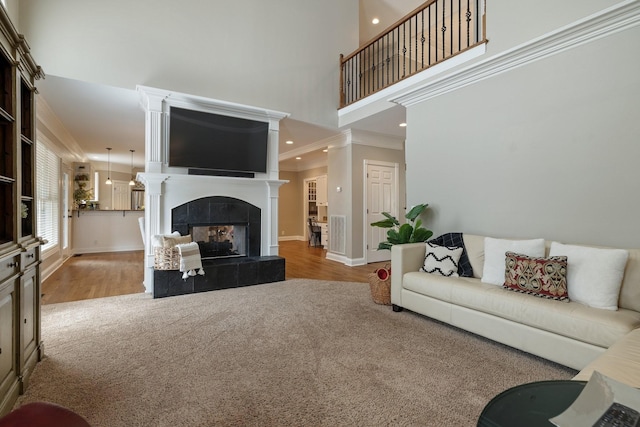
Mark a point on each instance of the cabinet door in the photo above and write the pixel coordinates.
(321, 191)
(325, 235)
(8, 331)
(29, 300)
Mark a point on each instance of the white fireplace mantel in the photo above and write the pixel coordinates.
(170, 187)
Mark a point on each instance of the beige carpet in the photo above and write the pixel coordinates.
(294, 353)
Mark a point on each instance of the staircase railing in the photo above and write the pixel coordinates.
(434, 32)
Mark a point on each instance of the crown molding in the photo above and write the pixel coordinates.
(152, 99)
(609, 21)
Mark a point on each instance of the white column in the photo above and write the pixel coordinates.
(153, 184)
(270, 238)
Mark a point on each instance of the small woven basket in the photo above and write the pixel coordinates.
(166, 258)
(380, 284)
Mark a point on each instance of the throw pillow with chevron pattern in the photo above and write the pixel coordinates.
(441, 260)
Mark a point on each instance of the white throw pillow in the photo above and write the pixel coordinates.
(494, 256)
(441, 260)
(157, 240)
(594, 275)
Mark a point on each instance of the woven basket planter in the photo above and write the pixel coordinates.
(380, 284)
(166, 258)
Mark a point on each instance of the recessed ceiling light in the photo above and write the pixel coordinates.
(403, 125)
(289, 142)
(326, 150)
(375, 21)
(298, 158)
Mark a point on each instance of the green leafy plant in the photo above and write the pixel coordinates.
(409, 232)
(82, 194)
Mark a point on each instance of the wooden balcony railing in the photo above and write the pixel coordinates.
(436, 31)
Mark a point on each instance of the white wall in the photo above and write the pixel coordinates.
(106, 231)
(277, 54)
(547, 150)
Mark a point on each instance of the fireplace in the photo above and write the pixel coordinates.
(212, 221)
(172, 191)
(228, 233)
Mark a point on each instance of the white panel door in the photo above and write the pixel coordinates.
(381, 197)
(121, 195)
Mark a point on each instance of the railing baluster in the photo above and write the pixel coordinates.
(436, 31)
(429, 45)
(404, 50)
(459, 24)
(422, 39)
(451, 28)
(444, 30)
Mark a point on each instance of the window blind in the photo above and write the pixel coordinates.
(48, 195)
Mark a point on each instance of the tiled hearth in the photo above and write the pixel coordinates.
(225, 271)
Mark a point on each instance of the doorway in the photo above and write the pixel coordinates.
(381, 195)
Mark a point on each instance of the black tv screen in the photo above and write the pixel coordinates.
(202, 140)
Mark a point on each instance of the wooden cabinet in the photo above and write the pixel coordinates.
(20, 344)
(9, 381)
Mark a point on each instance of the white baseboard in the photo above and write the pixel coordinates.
(291, 238)
(78, 251)
(351, 262)
(45, 273)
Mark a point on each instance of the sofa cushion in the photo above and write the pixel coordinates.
(573, 320)
(594, 275)
(542, 277)
(441, 260)
(432, 285)
(494, 256)
(456, 240)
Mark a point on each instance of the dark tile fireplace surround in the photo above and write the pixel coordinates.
(225, 272)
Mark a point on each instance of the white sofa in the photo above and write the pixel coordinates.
(568, 333)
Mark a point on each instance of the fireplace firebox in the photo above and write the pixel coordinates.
(227, 231)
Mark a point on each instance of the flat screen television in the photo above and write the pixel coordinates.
(206, 141)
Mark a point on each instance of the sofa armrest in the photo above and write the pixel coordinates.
(404, 258)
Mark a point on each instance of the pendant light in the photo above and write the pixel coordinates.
(132, 182)
(108, 182)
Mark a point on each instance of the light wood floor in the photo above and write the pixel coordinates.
(119, 273)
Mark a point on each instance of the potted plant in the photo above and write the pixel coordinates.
(410, 232)
(82, 194)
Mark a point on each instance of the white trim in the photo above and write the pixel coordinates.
(45, 273)
(291, 238)
(351, 262)
(617, 18)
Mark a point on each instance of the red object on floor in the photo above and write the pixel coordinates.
(43, 414)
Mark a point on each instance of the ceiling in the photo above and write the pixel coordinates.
(99, 116)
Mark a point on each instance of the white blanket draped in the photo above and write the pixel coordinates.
(190, 260)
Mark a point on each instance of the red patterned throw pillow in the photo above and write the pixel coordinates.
(543, 277)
